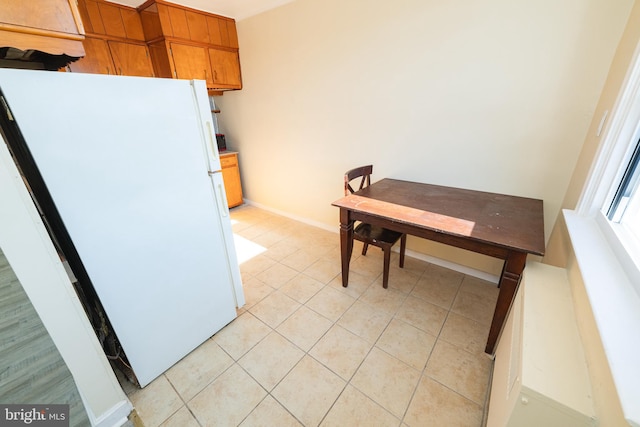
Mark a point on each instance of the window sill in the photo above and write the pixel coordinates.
(616, 308)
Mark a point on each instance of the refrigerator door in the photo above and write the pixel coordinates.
(204, 112)
(227, 233)
(211, 148)
(123, 160)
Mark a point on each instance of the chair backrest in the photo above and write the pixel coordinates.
(363, 172)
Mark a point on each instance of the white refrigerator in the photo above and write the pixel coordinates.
(132, 167)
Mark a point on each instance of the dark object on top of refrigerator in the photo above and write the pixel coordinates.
(222, 143)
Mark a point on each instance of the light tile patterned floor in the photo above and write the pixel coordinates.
(306, 351)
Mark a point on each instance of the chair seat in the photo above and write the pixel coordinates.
(371, 234)
(376, 235)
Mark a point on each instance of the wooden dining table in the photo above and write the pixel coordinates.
(498, 225)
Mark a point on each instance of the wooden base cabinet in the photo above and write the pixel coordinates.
(231, 177)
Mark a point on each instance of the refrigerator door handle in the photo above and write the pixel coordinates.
(221, 200)
(212, 138)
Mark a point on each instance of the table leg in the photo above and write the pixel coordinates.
(509, 282)
(346, 243)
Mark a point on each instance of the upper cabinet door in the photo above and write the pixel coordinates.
(198, 30)
(225, 69)
(191, 62)
(132, 24)
(97, 59)
(131, 59)
(112, 20)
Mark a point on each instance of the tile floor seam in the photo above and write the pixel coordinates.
(423, 372)
(469, 353)
(285, 408)
(268, 393)
(415, 388)
(185, 403)
(327, 412)
(453, 390)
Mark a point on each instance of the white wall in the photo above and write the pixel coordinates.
(31, 254)
(494, 95)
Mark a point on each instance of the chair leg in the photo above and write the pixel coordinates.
(365, 246)
(385, 271)
(403, 245)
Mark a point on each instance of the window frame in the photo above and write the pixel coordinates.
(620, 139)
(602, 248)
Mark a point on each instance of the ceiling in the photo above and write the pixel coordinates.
(236, 9)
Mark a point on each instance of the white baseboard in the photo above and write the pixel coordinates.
(116, 416)
(455, 267)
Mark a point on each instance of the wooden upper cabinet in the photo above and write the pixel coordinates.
(198, 30)
(213, 27)
(191, 62)
(151, 23)
(162, 19)
(225, 69)
(130, 59)
(179, 23)
(110, 19)
(97, 59)
(161, 60)
(200, 45)
(91, 16)
(114, 57)
(233, 35)
(115, 44)
(51, 26)
(132, 24)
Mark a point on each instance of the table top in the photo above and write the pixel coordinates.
(512, 222)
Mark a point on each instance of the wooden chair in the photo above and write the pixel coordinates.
(370, 234)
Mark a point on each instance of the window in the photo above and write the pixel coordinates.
(624, 196)
(619, 215)
(612, 193)
(605, 236)
(624, 211)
